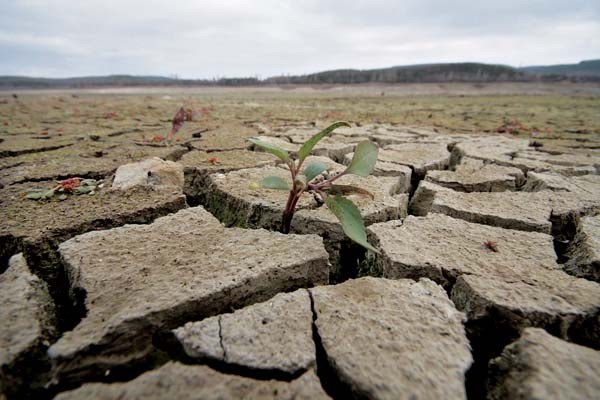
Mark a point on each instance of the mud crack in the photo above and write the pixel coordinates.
(330, 381)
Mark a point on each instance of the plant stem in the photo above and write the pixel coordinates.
(288, 212)
(327, 182)
(290, 205)
(286, 219)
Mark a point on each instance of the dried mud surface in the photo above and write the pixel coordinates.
(485, 213)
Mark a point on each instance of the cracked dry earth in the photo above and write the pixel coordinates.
(172, 281)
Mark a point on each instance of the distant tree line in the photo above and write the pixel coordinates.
(16, 82)
(464, 72)
(585, 71)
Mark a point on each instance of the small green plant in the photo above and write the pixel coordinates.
(308, 180)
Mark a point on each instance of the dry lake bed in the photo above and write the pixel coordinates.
(160, 272)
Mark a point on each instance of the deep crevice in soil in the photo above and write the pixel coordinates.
(415, 179)
(44, 261)
(488, 338)
(124, 131)
(564, 230)
(450, 280)
(14, 153)
(352, 260)
(222, 150)
(90, 175)
(29, 375)
(584, 331)
(121, 373)
(176, 155)
(330, 381)
(560, 248)
(9, 246)
(564, 227)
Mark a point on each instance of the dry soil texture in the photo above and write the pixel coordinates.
(172, 280)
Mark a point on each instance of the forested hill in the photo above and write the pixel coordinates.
(585, 69)
(450, 72)
(459, 72)
(436, 73)
(16, 82)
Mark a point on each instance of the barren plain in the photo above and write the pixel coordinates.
(169, 279)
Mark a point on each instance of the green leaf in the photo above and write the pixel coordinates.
(274, 182)
(89, 182)
(310, 143)
(365, 157)
(83, 189)
(271, 148)
(312, 170)
(40, 194)
(350, 218)
(348, 189)
(35, 194)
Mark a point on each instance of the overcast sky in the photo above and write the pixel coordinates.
(207, 39)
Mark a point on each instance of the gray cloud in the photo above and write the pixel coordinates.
(205, 39)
